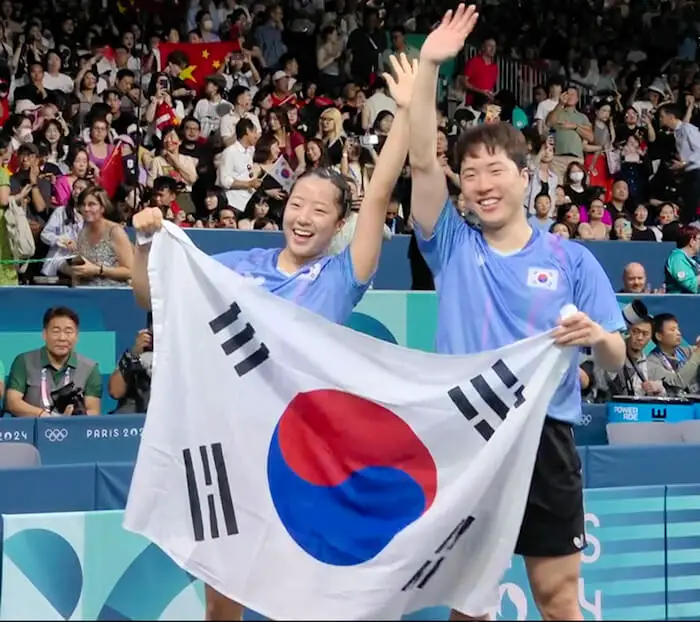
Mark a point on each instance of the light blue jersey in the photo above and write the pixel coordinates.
(327, 286)
(487, 300)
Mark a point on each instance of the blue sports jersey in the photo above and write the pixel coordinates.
(327, 286)
(487, 300)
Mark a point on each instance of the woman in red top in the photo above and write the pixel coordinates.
(290, 141)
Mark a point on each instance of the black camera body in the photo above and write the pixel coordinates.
(138, 381)
(69, 395)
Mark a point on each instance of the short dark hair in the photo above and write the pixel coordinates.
(54, 312)
(190, 119)
(686, 235)
(243, 127)
(125, 73)
(672, 109)
(543, 195)
(179, 58)
(235, 92)
(659, 322)
(165, 183)
(237, 14)
(493, 137)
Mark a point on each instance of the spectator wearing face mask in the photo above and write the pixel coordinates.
(206, 27)
(575, 186)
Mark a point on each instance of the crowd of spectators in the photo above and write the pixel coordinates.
(607, 103)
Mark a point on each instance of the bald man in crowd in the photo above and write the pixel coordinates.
(634, 279)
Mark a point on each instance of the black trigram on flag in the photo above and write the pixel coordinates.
(207, 488)
(491, 398)
(245, 335)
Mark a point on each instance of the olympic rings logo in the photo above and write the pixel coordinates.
(586, 419)
(56, 435)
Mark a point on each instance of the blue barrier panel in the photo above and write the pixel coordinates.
(642, 465)
(16, 430)
(683, 551)
(110, 320)
(65, 488)
(85, 566)
(614, 256)
(112, 485)
(67, 440)
(394, 270)
(592, 429)
(634, 412)
(623, 572)
(583, 456)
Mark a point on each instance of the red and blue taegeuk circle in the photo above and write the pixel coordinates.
(346, 475)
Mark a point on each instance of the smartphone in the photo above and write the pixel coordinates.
(76, 261)
(369, 140)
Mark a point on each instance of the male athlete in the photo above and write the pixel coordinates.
(505, 283)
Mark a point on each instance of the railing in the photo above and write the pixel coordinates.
(521, 79)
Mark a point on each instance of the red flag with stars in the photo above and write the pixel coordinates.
(204, 59)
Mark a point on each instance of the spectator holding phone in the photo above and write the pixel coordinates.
(105, 252)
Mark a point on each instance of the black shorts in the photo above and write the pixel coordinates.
(554, 524)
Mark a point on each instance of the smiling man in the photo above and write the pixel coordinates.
(504, 283)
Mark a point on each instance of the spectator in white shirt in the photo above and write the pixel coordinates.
(242, 104)
(378, 102)
(234, 172)
(54, 80)
(207, 109)
(545, 107)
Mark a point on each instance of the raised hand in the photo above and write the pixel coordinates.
(447, 40)
(401, 86)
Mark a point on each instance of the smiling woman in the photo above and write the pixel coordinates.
(104, 251)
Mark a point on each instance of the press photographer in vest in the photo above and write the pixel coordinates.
(55, 379)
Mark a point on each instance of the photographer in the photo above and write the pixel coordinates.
(130, 382)
(55, 379)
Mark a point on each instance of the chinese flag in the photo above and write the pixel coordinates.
(204, 59)
(112, 174)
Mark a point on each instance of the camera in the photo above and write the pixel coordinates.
(138, 381)
(69, 395)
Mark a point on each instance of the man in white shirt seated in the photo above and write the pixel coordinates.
(378, 102)
(234, 172)
(242, 103)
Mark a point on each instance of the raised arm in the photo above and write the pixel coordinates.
(429, 187)
(146, 223)
(366, 244)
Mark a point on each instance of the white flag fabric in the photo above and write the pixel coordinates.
(312, 472)
(282, 173)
